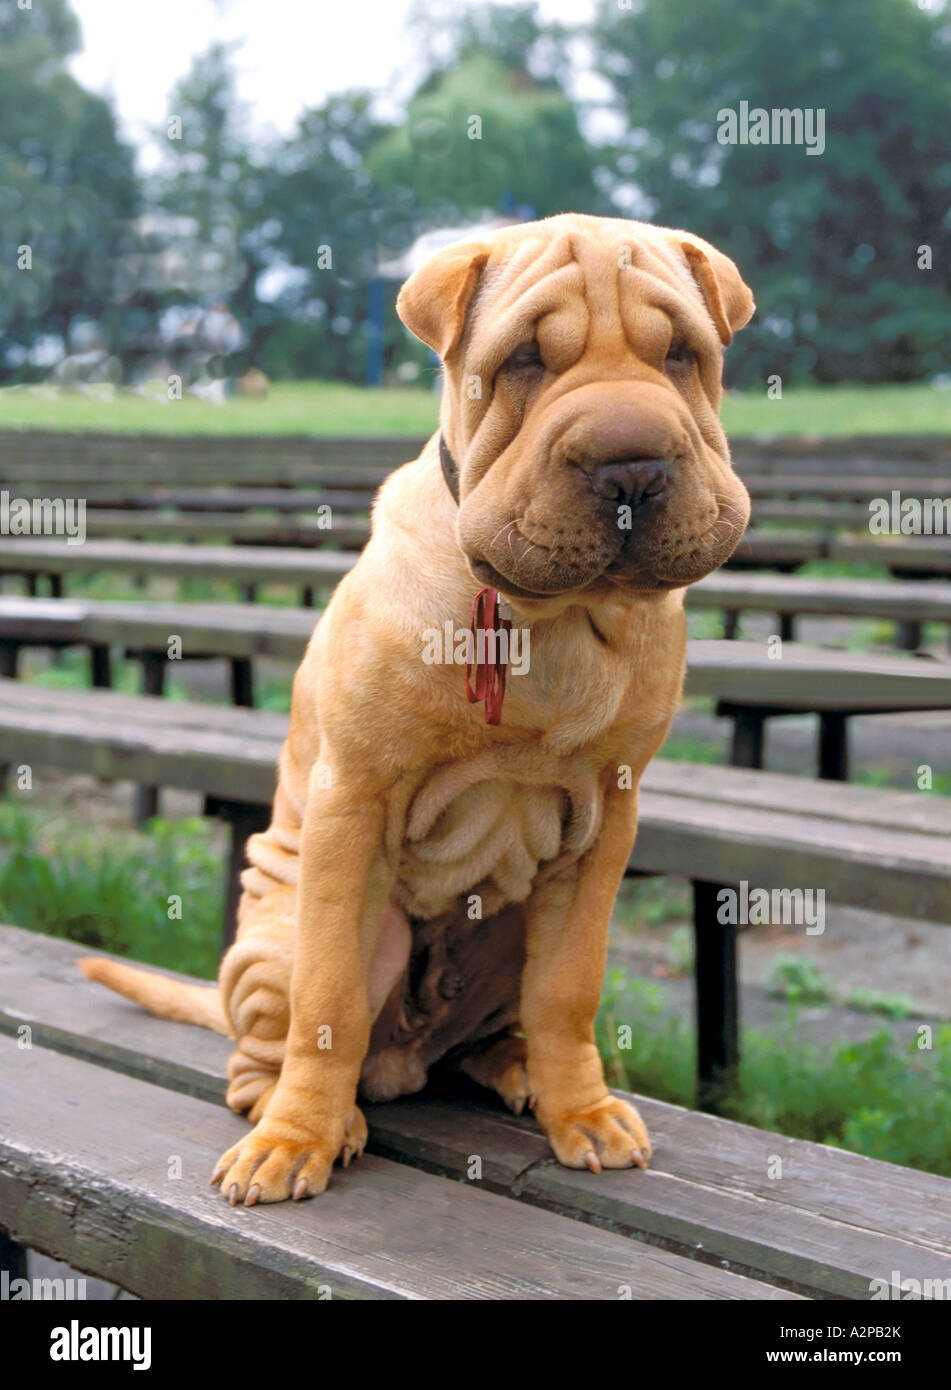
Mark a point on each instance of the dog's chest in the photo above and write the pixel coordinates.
(474, 829)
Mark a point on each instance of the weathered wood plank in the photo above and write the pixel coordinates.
(142, 498)
(898, 599)
(859, 487)
(347, 532)
(814, 678)
(923, 554)
(240, 564)
(218, 629)
(110, 1173)
(829, 1223)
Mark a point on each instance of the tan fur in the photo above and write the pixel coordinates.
(359, 960)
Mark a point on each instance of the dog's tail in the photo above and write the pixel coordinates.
(198, 1004)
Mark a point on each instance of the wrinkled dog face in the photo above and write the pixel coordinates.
(583, 380)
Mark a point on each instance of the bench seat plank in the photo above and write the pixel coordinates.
(833, 1222)
(239, 564)
(85, 1158)
(716, 823)
(811, 678)
(347, 532)
(917, 600)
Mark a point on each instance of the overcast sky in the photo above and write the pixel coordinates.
(294, 51)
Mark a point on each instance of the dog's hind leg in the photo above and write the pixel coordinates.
(499, 1065)
(255, 980)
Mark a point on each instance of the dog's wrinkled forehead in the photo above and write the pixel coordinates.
(563, 290)
(567, 279)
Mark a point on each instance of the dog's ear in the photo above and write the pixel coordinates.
(728, 298)
(434, 300)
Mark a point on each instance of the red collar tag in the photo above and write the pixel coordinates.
(490, 666)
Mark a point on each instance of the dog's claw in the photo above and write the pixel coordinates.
(639, 1158)
(233, 1194)
(254, 1192)
(300, 1189)
(346, 1155)
(591, 1159)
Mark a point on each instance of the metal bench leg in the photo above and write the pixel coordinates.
(834, 746)
(244, 819)
(307, 597)
(12, 1257)
(909, 636)
(249, 593)
(146, 804)
(30, 580)
(731, 624)
(718, 1013)
(9, 658)
(242, 681)
(787, 627)
(749, 738)
(56, 586)
(100, 666)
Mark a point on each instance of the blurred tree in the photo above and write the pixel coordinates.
(327, 228)
(490, 128)
(207, 190)
(829, 242)
(67, 188)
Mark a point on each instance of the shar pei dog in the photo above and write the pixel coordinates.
(457, 796)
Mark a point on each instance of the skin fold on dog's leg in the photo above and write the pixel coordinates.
(311, 1116)
(566, 951)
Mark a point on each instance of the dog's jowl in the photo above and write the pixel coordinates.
(451, 824)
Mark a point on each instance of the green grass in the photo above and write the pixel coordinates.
(319, 407)
(875, 1097)
(821, 410)
(326, 407)
(111, 888)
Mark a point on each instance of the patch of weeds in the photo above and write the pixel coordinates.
(871, 1001)
(798, 981)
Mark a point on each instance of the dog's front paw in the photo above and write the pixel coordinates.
(281, 1159)
(610, 1134)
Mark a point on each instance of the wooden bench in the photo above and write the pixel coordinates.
(106, 1096)
(749, 686)
(247, 566)
(908, 603)
(716, 825)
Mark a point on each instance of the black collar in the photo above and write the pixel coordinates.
(450, 469)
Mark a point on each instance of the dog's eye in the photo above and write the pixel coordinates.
(679, 356)
(526, 358)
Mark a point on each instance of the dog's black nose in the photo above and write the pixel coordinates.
(629, 481)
